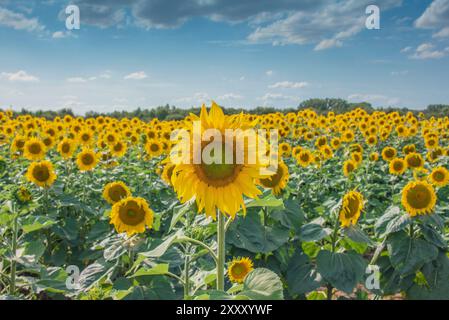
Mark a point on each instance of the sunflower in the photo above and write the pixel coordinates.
(239, 269)
(352, 206)
(85, 137)
(66, 148)
(389, 153)
(414, 160)
(348, 167)
(131, 215)
(278, 181)
(418, 198)
(154, 148)
(167, 173)
(285, 149)
(374, 156)
(41, 174)
(218, 185)
(118, 149)
(357, 157)
(115, 191)
(439, 177)
(22, 195)
(34, 149)
(86, 160)
(397, 166)
(18, 143)
(304, 158)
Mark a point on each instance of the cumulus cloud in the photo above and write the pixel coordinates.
(269, 73)
(428, 51)
(436, 16)
(139, 75)
(377, 99)
(62, 34)
(199, 97)
(19, 21)
(76, 80)
(19, 76)
(230, 96)
(271, 97)
(289, 85)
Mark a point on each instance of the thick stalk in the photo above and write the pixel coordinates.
(334, 245)
(12, 287)
(220, 250)
(186, 276)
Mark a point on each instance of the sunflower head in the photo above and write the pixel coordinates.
(348, 167)
(304, 158)
(115, 191)
(418, 198)
(154, 148)
(278, 181)
(66, 148)
(389, 153)
(439, 177)
(41, 174)
(414, 160)
(374, 156)
(167, 173)
(352, 206)
(239, 268)
(131, 215)
(397, 166)
(22, 195)
(34, 149)
(86, 160)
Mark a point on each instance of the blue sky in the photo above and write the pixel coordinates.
(144, 53)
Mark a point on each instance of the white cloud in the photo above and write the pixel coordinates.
(139, 75)
(377, 99)
(436, 16)
(399, 73)
(428, 51)
(19, 76)
(199, 97)
(289, 85)
(269, 73)
(230, 96)
(62, 34)
(276, 97)
(242, 78)
(77, 80)
(406, 49)
(325, 27)
(18, 21)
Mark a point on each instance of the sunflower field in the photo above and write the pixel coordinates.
(93, 208)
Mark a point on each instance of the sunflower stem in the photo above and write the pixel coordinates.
(12, 287)
(220, 250)
(187, 274)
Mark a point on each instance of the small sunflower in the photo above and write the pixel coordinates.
(304, 158)
(348, 167)
(418, 198)
(397, 166)
(439, 177)
(22, 195)
(41, 174)
(154, 148)
(86, 160)
(118, 149)
(66, 148)
(131, 215)
(278, 181)
(239, 269)
(414, 160)
(389, 153)
(374, 156)
(34, 149)
(352, 207)
(115, 191)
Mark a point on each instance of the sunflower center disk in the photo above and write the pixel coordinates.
(131, 214)
(419, 197)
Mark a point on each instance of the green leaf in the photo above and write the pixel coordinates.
(437, 278)
(262, 284)
(314, 231)
(163, 247)
(407, 254)
(268, 201)
(392, 221)
(248, 233)
(178, 213)
(342, 270)
(35, 248)
(159, 269)
(34, 223)
(301, 275)
(433, 236)
(356, 234)
(291, 216)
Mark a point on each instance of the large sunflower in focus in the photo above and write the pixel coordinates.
(418, 198)
(351, 208)
(41, 174)
(217, 185)
(131, 215)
